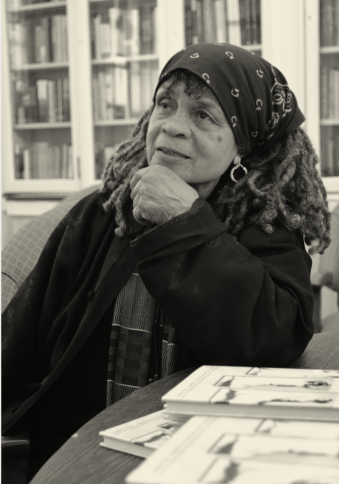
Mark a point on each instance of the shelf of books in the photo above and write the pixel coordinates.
(235, 21)
(329, 89)
(124, 60)
(39, 86)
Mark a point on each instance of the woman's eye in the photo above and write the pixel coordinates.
(163, 104)
(204, 116)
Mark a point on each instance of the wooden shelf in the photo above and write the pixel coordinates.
(43, 66)
(252, 47)
(39, 6)
(116, 122)
(329, 122)
(27, 126)
(125, 59)
(332, 49)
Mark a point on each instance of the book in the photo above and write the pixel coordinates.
(257, 392)
(209, 21)
(138, 437)
(221, 22)
(244, 451)
(233, 22)
(42, 99)
(255, 22)
(245, 21)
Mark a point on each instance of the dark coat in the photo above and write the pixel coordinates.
(245, 302)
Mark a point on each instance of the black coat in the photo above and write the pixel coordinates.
(245, 302)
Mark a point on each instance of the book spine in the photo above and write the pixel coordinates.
(188, 22)
(54, 54)
(336, 154)
(37, 41)
(209, 21)
(95, 93)
(18, 162)
(41, 85)
(245, 21)
(112, 14)
(65, 37)
(34, 104)
(331, 88)
(220, 16)
(27, 164)
(70, 173)
(255, 22)
(50, 101)
(66, 108)
(324, 86)
(102, 99)
(326, 22)
(233, 22)
(336, 93)
(145, 29)
(108, 75)
(135, 90)
(194, 15)
(58, 115)
(44, 40)
(335, 22)
(132, 32)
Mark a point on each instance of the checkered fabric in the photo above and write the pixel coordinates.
(139, 332)
(22, 252)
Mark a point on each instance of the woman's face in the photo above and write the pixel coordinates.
(190, 136)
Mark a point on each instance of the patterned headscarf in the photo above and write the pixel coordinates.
(254, 95)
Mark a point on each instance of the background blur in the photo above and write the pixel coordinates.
(77, 74)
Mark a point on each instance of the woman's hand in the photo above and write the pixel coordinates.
(159, 194)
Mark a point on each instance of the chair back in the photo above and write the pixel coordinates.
(21, 253)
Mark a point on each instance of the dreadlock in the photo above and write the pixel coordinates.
(282, 183)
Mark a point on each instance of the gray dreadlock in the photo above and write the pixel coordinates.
(282, 183)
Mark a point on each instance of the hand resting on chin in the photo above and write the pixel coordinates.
(159, 194)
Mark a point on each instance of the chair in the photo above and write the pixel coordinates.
(20, 255)
(328, 276)
(18, 259)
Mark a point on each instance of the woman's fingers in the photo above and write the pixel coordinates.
(135, 189)
(139, 218)
(138, 176)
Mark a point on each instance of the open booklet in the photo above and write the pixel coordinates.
(245, 451)
(257, 392)
(138, 437)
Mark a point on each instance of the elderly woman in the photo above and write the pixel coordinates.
(191, 253)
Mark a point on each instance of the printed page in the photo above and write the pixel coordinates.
(202, 385)
(150, 431)
(204, 450)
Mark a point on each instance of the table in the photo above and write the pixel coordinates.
(82, 460)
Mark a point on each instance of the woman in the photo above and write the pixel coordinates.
(192, 252)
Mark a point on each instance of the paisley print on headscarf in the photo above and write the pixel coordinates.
(255, 96)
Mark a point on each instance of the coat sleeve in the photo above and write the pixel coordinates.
(246, 302)
(43, 316)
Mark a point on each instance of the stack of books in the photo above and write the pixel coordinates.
(235, 21)
(239, 425)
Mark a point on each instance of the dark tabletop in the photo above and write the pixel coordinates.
(82, 460)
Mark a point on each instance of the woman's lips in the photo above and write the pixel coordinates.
(170, 152)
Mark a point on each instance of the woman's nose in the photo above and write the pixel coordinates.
(177, 125)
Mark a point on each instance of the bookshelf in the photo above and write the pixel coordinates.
(95, 64)
(322, 36)
(329, 87)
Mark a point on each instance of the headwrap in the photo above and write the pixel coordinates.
(256, 99)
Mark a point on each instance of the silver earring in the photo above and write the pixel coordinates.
(237, 162)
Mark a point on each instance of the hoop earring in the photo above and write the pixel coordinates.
(237, 162)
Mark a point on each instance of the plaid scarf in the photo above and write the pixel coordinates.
(143, 346)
